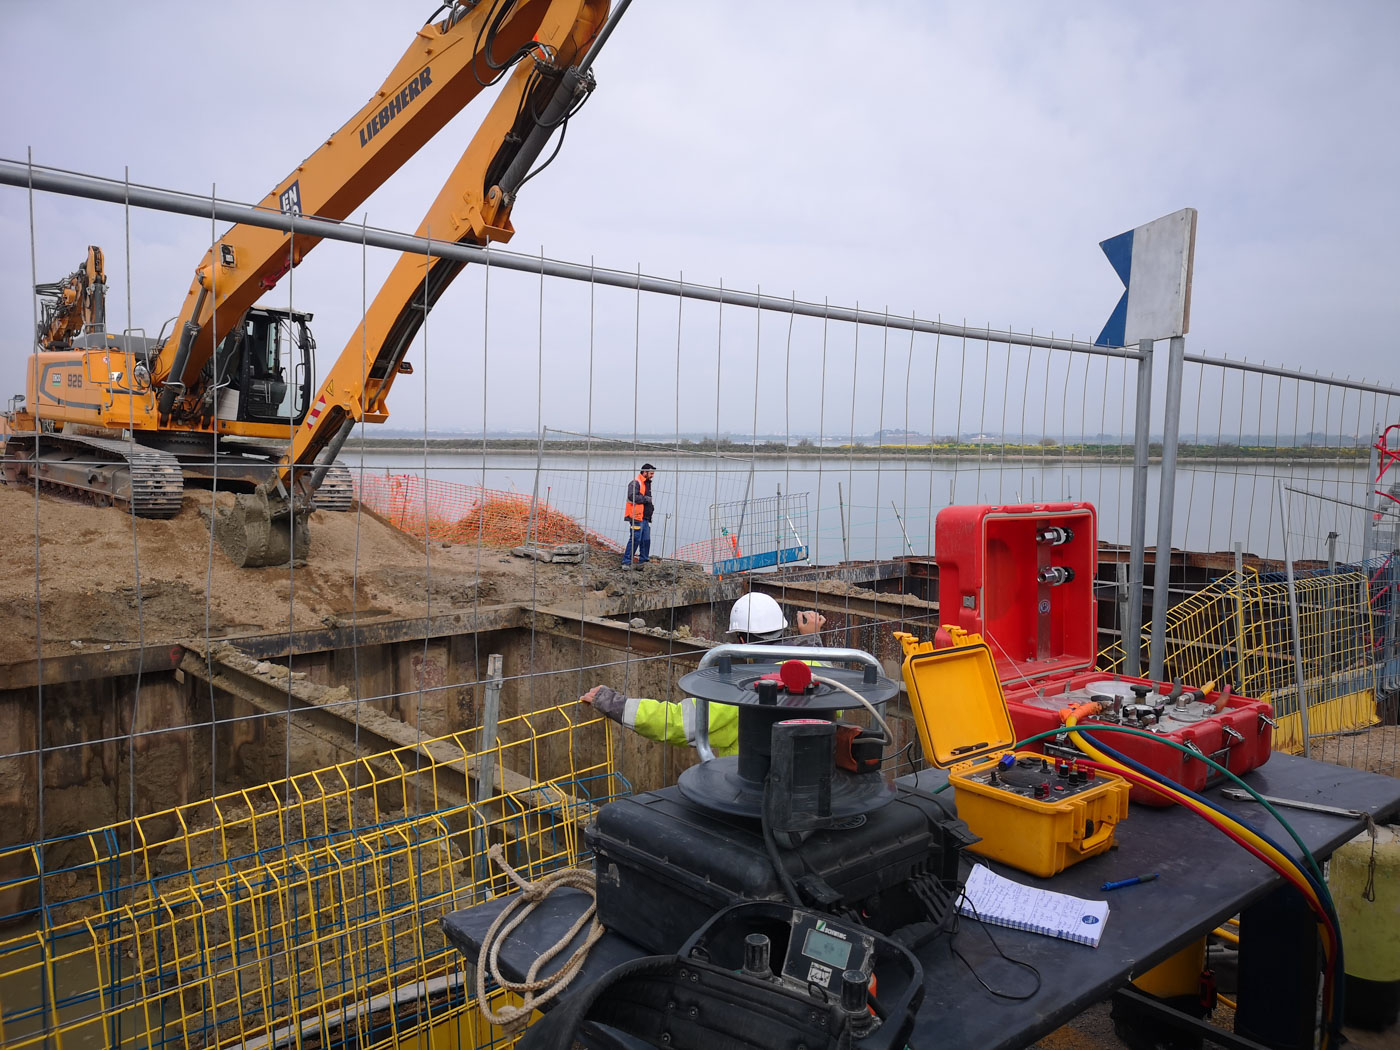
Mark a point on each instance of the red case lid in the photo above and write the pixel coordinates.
(989, 561)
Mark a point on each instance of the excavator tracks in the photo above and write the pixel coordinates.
(101, 470)
(251, 461)
(337, 490)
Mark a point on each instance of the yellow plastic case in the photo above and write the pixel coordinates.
(965, 728)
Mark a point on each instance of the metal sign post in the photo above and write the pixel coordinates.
(1155, 262)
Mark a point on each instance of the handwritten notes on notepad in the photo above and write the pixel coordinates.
(991, 898)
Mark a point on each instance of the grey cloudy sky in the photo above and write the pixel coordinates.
(954, 160)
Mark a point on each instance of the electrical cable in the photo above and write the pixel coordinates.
(1014, 962)
(1309, 883)
(903, 754)
(1290, 872)
(884, 726)
(771, 843)
(1077, 732)
(1131, 763)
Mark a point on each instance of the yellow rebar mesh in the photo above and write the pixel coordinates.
(1239, 630)
(301, 907)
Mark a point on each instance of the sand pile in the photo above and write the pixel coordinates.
(84, 577)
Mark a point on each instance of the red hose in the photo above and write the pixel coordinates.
(1292, 877)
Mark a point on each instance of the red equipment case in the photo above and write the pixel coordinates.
(1023, 577)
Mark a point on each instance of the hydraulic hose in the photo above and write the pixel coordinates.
(1314, 891)
(1308, 880)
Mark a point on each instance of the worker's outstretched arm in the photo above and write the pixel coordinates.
(666, 722)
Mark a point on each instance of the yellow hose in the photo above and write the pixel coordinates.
(1235, 827)
(1226, 935)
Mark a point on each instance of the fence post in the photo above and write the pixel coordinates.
(1389, 609)
(490, 721)
(486, 773)
(1121, 592)
(535, 492)
(1142, 436)
(1162, 561)
(1328, 614)
(1368, 520)
(1239, 617)
(841, 511)
(1293, 620)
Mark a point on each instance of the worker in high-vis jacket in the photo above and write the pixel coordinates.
(755, 619)
(637, 511)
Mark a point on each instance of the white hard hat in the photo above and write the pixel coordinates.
(756, 614)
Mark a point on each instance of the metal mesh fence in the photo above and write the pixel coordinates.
(1239, 631)
(165, 849)
(759, 533)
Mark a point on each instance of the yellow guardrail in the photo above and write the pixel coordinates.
(302, 909)
(1239, 630)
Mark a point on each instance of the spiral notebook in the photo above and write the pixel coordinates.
(991, 898)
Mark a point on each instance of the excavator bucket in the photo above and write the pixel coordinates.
(259, 530)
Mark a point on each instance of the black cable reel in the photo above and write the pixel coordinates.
(788, 736)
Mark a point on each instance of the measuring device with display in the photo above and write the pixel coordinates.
(1036, 812)
(758, 974)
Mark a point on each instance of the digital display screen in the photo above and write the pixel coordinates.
(828, 949)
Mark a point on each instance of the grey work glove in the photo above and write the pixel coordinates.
(606, 701)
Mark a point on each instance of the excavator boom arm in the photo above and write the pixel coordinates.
(446, 66)
(473, 207)
(76, 304)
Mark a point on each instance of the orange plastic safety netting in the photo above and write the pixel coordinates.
(455, 513)
(706, 552)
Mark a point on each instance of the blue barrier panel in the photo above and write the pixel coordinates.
(759, 561)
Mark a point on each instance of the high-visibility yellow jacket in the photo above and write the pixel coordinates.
(673, 722)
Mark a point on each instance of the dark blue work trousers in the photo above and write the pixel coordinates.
(638, 542)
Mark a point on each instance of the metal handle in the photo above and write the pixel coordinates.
(1236, 795)
(765, 653)
(769, 653)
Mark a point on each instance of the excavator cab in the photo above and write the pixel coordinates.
(265, 368)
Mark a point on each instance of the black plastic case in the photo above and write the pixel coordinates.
(666, 865)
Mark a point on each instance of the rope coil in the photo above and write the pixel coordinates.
(531, 894)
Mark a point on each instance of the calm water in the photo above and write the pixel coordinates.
(864, 508)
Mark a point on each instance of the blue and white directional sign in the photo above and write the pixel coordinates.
(1154, 262)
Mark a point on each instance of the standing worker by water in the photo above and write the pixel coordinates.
(755, 619)
(638, 515)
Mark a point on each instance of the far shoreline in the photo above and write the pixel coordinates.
(1059, 456)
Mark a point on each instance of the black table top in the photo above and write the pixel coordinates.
(1205, 878)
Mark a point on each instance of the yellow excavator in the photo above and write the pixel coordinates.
(226, 390)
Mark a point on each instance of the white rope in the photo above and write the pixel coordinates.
(514, 1018)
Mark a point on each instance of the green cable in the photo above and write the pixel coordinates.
(1307, 853)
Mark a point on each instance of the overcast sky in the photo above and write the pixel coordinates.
(954, 160)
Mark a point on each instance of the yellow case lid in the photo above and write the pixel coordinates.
(956, 698)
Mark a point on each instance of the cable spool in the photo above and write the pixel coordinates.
(767, 694)
(1365, 881)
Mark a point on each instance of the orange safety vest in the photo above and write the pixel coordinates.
(634, 511)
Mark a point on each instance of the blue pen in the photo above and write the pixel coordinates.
(1128, 882)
